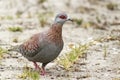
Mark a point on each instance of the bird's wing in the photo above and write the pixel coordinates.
(31, 47)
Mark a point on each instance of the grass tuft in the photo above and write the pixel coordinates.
(69, 58)
(15, 29)
(111, 6)
(6, 17)
(43, 19)
(18, 14)
(78, 21)
(41, 1)
(29, 74)
(105, 51)
(2, 51)
(15, 40)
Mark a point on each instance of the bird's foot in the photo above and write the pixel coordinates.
(41, 70)
(43, 73)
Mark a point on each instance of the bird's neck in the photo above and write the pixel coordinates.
(55, 32)
(57, 28)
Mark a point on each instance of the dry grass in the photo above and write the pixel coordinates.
(69, 58)
(42, 17)
(2, 51)
(105, 51)
(108, 38)
(116, 79)
(6, 17)
(78, 21)
(15, 29)
(111, 6)
(15, 40)
(29, 74)
(41, 1)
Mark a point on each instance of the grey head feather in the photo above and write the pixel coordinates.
(60, 20)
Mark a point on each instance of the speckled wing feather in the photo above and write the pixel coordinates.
(31, 47)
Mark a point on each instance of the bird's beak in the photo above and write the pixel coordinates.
(69, 19)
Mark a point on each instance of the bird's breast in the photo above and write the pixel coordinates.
(48, 53)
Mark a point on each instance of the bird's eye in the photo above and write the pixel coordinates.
(62, 17)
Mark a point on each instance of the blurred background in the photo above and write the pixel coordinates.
(96, 21)
(29, 15)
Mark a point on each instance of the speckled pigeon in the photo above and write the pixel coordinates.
(44, 47)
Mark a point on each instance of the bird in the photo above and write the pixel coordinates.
(45, 46)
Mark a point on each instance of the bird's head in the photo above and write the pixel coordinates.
(62, 18)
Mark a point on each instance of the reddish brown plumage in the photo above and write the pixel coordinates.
(32, 43)
(55, 34)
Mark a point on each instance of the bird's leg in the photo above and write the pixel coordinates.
(36, 66)
(40, 69)
(43, 69)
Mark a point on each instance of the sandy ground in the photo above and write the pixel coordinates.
(95, 67)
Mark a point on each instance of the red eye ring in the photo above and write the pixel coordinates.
(62, 17)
